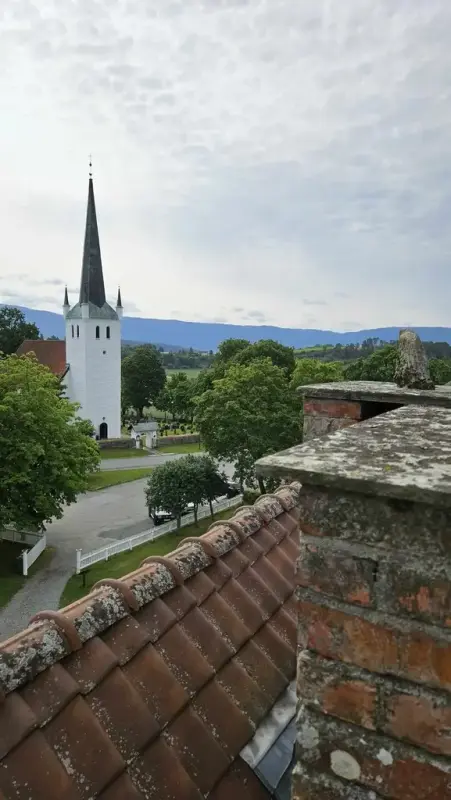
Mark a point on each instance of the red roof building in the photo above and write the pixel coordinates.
(49, 352)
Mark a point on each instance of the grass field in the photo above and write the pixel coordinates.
(180, 448)
(10, 580)
(102, 480)
(125, 452)
(122, 564)
(192, 373)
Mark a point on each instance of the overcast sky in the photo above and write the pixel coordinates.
(255, 161)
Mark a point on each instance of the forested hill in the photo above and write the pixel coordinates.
(205, 336)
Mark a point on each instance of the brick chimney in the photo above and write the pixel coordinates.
(374, 608)
(328, 407)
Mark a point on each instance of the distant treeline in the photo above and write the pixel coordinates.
(350, 352)
(185, 359)
(192, 359)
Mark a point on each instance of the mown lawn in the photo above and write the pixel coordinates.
(10, 580)
(106, 478)
(193, 447)
(125, 452)
(122, 564)
(191, 373)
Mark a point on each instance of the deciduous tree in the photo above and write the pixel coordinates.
(312, 370)
(143, 377)
(280, 355)
(380, 366)
(250, 412)
(167, 488)
(14, 329)
(46, 451)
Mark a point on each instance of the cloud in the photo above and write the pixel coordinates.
(262, 155)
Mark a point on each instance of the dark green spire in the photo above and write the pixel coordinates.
(119, 298)
(66, 298)
(92, 287)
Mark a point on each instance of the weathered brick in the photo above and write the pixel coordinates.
(421, 590)
(333, 408)
(372, 643)
(309, 785)
(423, 720)
(400, 526)
(369, 760)
(336, 689)
(338, 574)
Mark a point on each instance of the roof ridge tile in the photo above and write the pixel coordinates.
(50, 638)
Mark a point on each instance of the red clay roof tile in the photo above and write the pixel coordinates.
(49, 352)
(179, 662)
(33, 770)
(240, 783)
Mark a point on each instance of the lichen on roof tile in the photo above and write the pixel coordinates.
(201, 640)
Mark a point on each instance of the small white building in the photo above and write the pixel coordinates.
(93, 340)
(146, 432)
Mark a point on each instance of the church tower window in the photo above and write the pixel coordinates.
(97, 331)
(78, 331)
(73, 332)
(107, 331)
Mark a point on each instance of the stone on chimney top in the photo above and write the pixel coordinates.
(412, 369)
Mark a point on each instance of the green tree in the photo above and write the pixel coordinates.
(312, 370)
(167, 488)
(14, 329)
(440, 369)
(46, 451)
(380, 366)
(280, 355)
(180, 393)
(248, 413)
(230, 348)
(143, 377)
(211, 479)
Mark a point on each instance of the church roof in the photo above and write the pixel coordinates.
(153, 686)
(92, 286)
(94, 312)
(49, 352)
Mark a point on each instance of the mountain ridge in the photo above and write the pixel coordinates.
(205, 336)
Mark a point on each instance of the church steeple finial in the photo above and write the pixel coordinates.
(92, 287)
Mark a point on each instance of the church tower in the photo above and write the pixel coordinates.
(93, 339)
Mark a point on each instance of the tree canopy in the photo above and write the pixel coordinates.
(46, 451)
(248, 413)
(143, 377)
(379, 366)
(14, 329)
(176, 396)
(280, 355)
(191, 479)
(167, 488)
(312, 370)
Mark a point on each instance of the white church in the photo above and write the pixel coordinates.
(89, 361)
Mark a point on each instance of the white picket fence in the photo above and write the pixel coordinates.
(30, 556)
(37, 541)
(83, 561)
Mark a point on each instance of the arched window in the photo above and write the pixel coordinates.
(107, 331)
(78, 331)
(73, 332)
(97, 331)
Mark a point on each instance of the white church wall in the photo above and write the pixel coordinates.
(95, 370)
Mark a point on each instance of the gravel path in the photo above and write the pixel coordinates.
(96, 519)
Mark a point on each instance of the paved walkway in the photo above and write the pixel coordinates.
(94, 520)
(139, 461)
